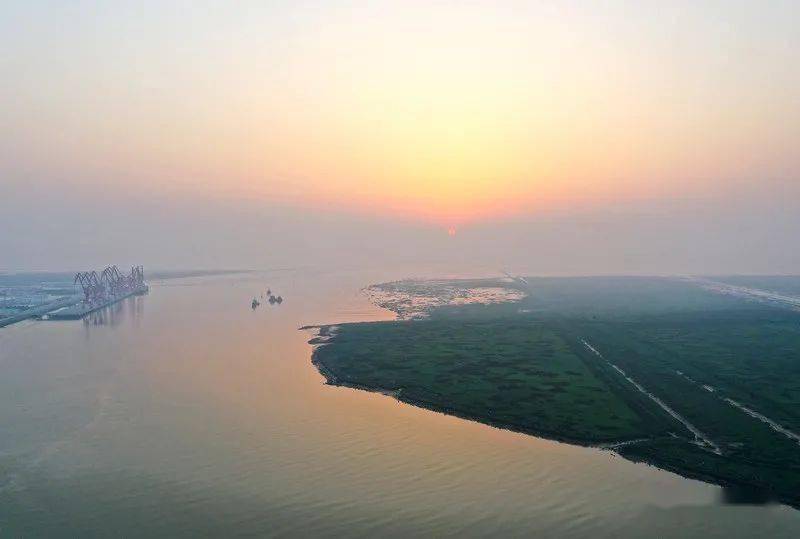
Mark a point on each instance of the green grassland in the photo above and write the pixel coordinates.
(515, 372)
(524, 366)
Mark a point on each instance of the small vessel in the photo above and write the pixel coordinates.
(254, 304)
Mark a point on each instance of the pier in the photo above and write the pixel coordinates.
(76, 311)
(100, 290)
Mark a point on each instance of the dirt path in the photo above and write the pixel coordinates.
(701, 439)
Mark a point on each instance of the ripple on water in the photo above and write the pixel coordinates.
(219, 425)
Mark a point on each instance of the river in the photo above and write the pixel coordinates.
(186, 413)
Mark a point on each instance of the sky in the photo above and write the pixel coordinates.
(553, 137)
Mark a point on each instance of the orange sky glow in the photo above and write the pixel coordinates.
(420, 111)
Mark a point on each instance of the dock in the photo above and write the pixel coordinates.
(100, 290)
(76, 311)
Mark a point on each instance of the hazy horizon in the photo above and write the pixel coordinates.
(553, 138)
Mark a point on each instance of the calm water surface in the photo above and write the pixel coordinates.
(185, 413)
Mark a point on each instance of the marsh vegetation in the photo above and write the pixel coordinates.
(709, 363)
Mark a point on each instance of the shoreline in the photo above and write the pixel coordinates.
(326, 333)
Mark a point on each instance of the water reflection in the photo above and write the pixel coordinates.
(205, 418)
(129, 309)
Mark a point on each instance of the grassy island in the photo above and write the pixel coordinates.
(660, 370)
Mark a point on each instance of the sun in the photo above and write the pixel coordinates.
(451, 231)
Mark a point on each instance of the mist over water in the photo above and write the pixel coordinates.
(744, 232)
(186, 413)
